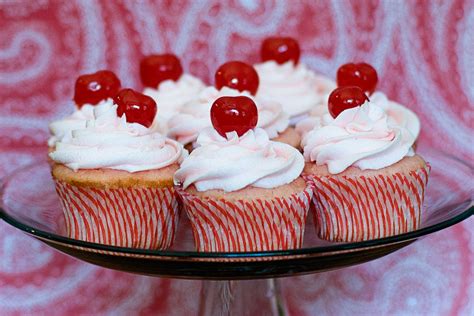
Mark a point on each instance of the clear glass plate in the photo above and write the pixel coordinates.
(29, 203)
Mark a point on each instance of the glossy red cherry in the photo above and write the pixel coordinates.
(361, 75)
(137, 107)
(237, 75)
(157, 68)
(280, 49)
(234, 114)
(93, 88)
(344, 98)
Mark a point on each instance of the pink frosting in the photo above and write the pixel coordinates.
(297, 88)
(360, 137)
(397, 115)
(231, 163)
(195, 116)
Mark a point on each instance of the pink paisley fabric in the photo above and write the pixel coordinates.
(423, 53)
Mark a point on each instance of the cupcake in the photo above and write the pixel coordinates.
(195, 115)
(240, 190)
(114, 177)
(368, 182)
(285, 80)
(165, 82)
(90, 90)
(365, 77)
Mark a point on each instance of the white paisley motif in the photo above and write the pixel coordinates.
(50, 289)
(36, 257)
(33, 41)
(408, 283)
(427, 91)
(464, 52)
(145, 25)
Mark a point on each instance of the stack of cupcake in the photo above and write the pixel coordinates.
(120, 164)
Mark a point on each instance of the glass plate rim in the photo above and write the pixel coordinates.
(468, 204)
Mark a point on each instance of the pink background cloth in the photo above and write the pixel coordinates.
(423, 52)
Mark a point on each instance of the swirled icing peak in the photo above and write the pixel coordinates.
(195, 115)
(108, 141)
(296, 88)
(398, 115)
(360, 137)
(232, 163)
(62, 128)
(171, 95)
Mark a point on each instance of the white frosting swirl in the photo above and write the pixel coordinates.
(271, 117)
(360, 137)
(108, 141)
(62, 128)
(296, 88)
(171, 95)
(398, 115)
(195, 116)
(232, 163)
(313, 120)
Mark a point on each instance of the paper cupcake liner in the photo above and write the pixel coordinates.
(126, 217)
(356, 208)
(247, 225)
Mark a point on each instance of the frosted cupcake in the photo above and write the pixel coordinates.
(90, 90)
(365, 77)
(240, 190)
(285, 80)
(115, 177)
(368, 182)
(232, 79)
(165, 82)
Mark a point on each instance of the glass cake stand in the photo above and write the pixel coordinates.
(234, 281)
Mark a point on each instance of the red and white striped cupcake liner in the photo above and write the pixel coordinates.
(356, 208)
(126, 217)
(247, 225)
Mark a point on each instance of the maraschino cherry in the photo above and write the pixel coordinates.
(93, 88)
(155, 69)
(234, 114)
(237, 75)
(137, 107)
(361, 75)
(344, 98)
(280, 49)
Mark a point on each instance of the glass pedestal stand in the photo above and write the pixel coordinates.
(234, 283)
(236, 297)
